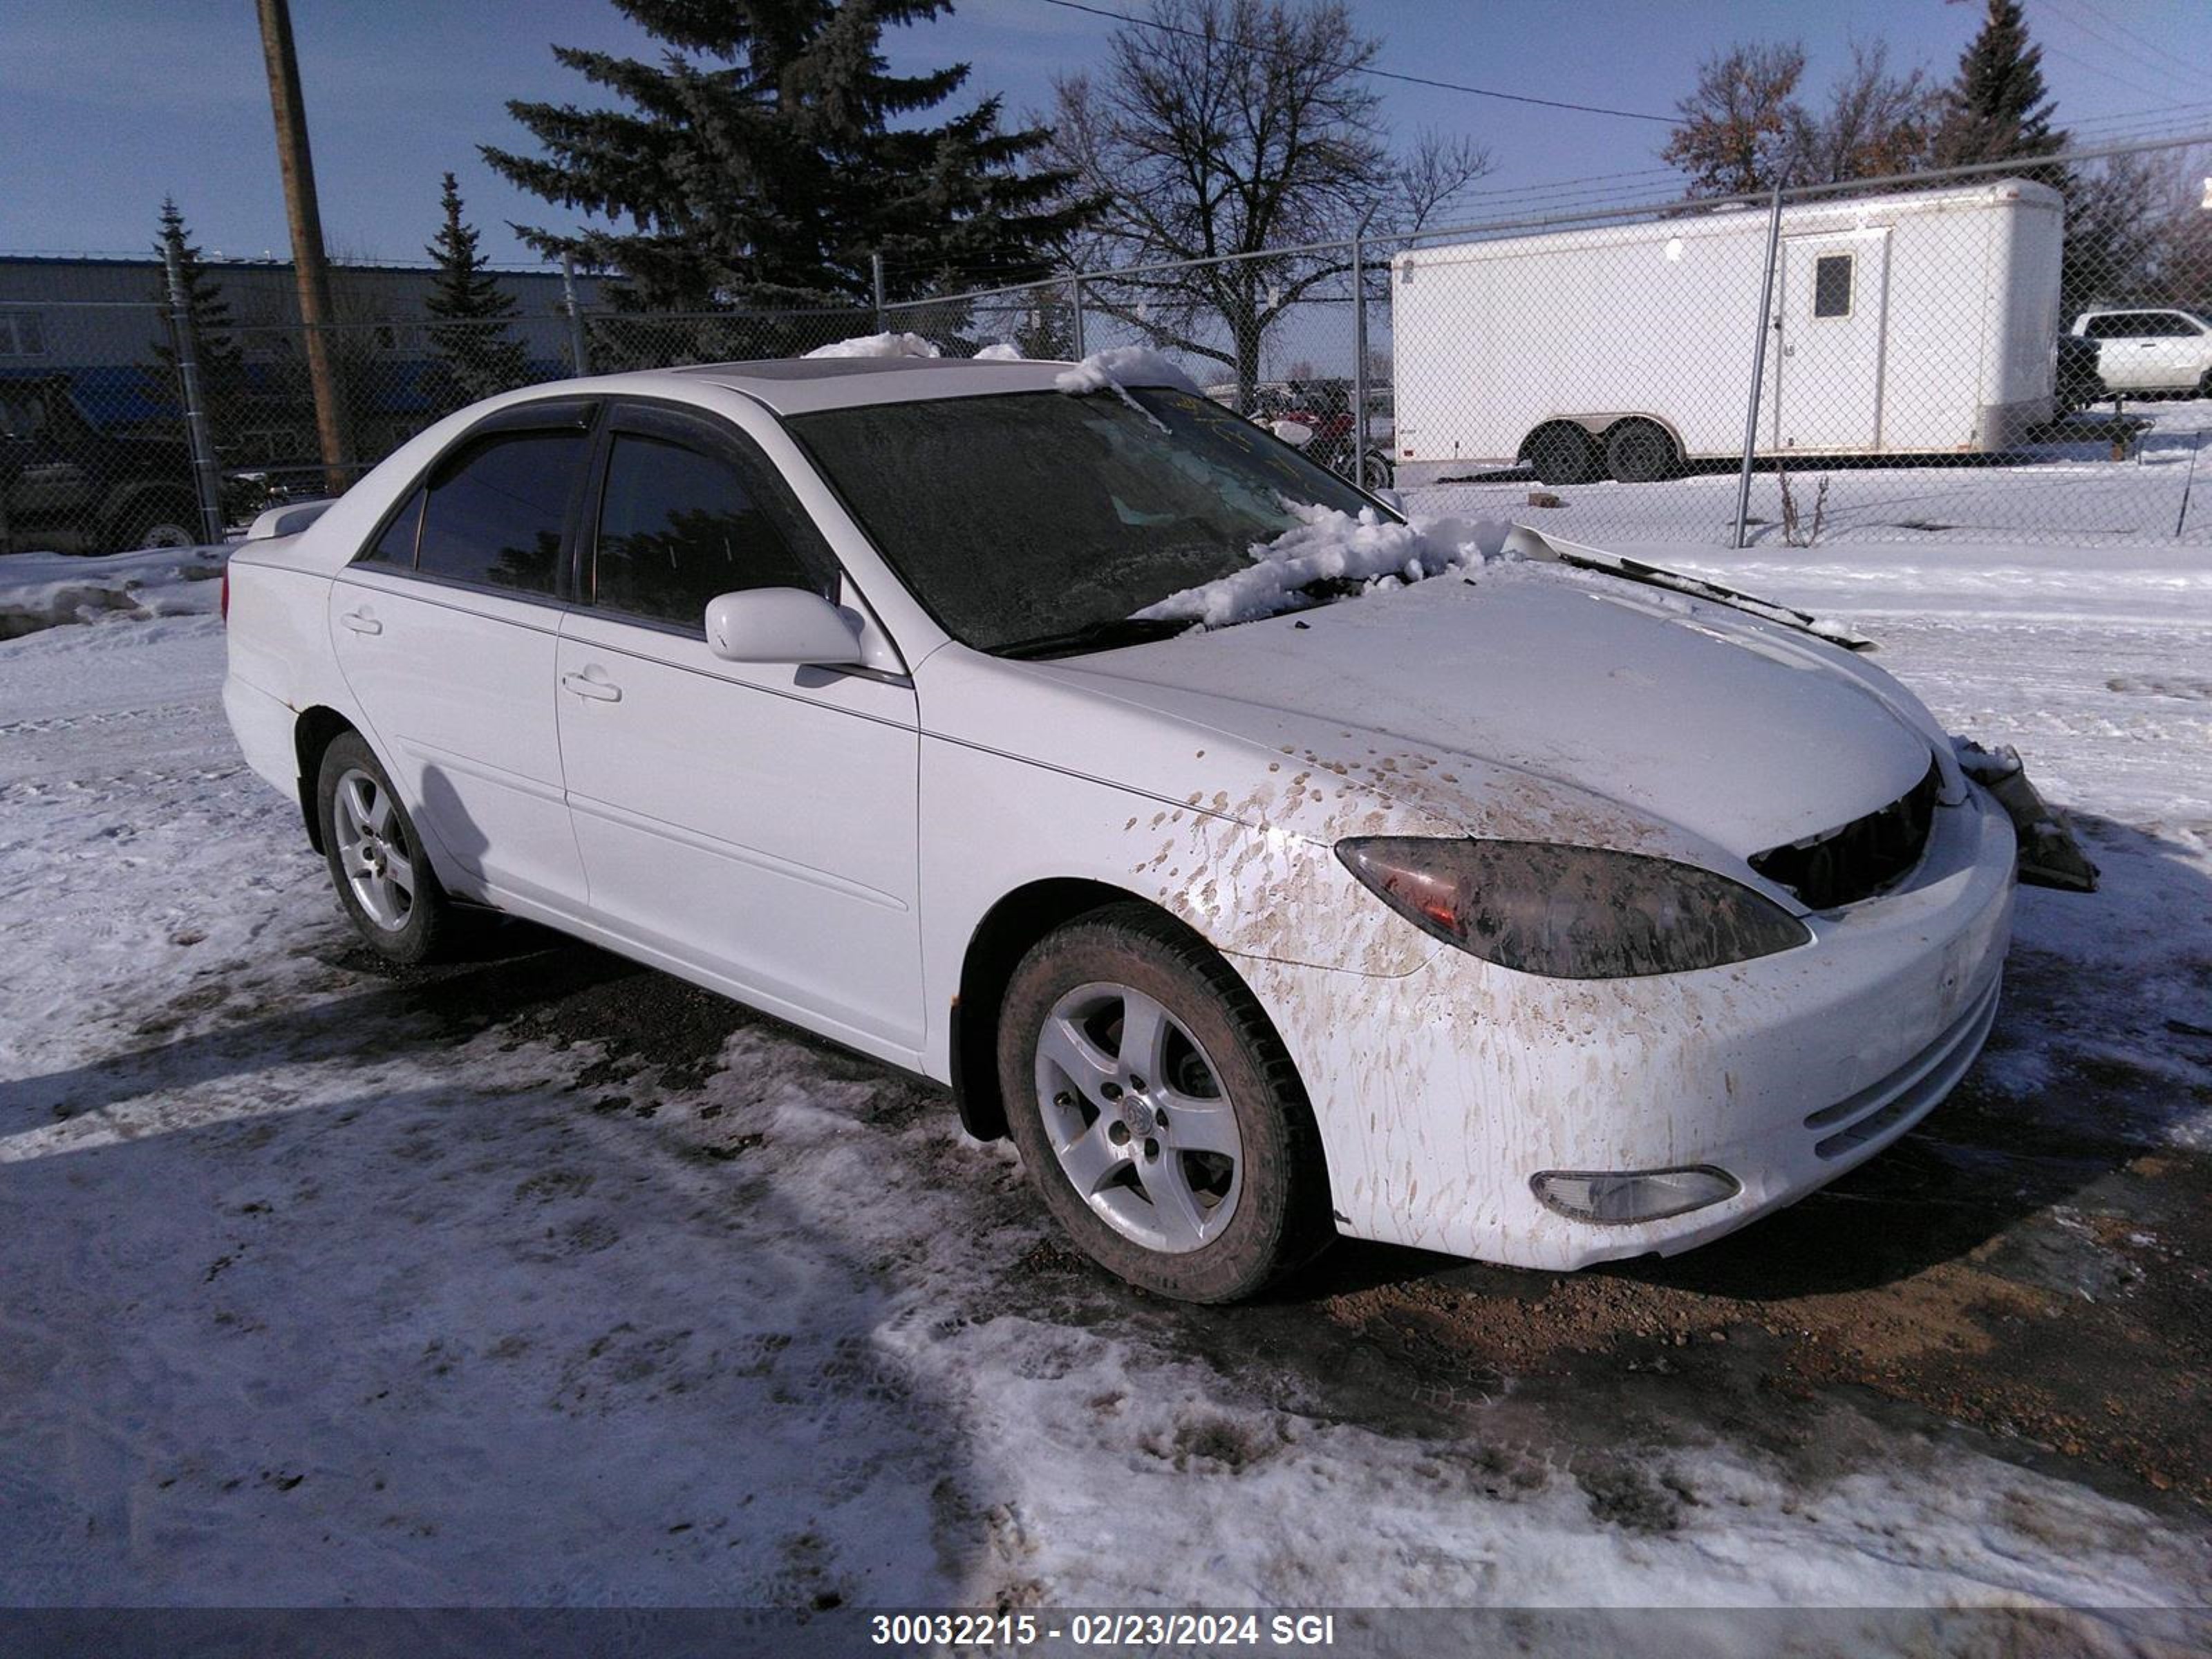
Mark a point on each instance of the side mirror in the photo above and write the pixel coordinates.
(1389, 498)
(782, 625)
(1296, 434)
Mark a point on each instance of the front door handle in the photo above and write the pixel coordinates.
(360, 622)
(593, 684)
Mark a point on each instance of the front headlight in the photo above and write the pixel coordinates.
(1569, 912)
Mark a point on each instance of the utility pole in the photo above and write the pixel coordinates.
(306, 221)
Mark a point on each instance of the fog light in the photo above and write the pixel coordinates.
(1618, 1196)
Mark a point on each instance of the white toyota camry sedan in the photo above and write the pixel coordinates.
(1265, 865)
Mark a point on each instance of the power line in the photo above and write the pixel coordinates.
(2157, 60)
(1361, 69)
(2111, 74)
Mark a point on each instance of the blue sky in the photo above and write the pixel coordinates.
(107, 105)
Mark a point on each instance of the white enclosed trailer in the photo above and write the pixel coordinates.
(1917, 323)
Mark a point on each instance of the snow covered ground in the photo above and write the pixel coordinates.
(542, 1278)
(2065, 495)
(50, 590)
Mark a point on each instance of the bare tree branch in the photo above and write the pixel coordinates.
(1238, 128)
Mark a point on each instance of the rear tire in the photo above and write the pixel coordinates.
(384, 883)
(1563, 454)
(1640, 452)
(1158, 1112)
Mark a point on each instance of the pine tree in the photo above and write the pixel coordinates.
(221, 363)
(756, 164)
(1997, 109)
(476, 355)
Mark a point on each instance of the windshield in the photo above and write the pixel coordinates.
(1039, 520)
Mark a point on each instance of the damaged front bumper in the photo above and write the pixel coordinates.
(1442, 1094)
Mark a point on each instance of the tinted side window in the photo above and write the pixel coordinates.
(396, 546)
(678, 526)
(495, 513)
(2110, 327)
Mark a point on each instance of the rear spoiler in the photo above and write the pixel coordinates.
(288, 520)
(1529, 544)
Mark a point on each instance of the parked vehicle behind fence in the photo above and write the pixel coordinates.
(66, 487)
(1917, 323)
(2150, 349)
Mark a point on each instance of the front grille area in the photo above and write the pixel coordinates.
(1845, 865)
(1905, 1093)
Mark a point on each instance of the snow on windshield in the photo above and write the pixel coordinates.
(1328, 544)
(1004, 352)
(878, 345)
(1123, 367)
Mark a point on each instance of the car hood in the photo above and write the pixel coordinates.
(1745, 734)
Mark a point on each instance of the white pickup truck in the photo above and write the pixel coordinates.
(2150, 349)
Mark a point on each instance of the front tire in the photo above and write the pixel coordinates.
(1158, 1112)
(384, 883)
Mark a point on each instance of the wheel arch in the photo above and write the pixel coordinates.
(316, 729)
(1000, 940)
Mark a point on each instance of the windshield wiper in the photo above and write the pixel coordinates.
(1101, 635)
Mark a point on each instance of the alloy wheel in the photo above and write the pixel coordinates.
(1135, 1112)
(373, 852)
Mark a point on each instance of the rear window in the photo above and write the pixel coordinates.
(396, 546)
(678, 527)
(495, 513)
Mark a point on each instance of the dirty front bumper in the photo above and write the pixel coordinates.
(1442, 1092)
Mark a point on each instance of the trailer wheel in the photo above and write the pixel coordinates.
(1639, 451)
(1563, 454)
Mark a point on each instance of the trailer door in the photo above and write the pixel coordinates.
(1828, 385)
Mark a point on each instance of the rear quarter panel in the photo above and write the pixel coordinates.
(279, 651)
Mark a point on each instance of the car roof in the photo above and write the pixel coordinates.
(799, 385)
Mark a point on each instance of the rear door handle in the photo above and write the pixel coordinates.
(360, 622)
(593, 684)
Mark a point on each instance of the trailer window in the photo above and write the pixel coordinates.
(1832, 285)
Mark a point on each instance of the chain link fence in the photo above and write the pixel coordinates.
(2002, 354)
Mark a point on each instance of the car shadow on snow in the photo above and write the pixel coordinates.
(229, 1024)
(516, 1328)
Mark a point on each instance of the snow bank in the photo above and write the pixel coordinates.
(48, 590)
(878, 345)
(1327, 543)
(1123, 367)
(1004, 352)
